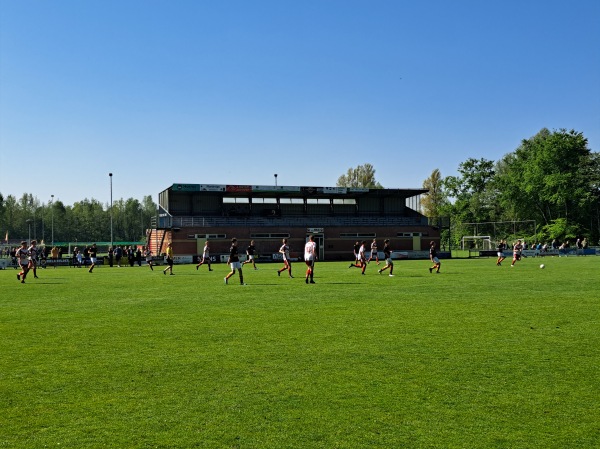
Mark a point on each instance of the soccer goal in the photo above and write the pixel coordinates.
(483, 242)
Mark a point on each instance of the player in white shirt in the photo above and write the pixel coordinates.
(361, 258)
(205, 256)
(287, 263)
(148, 256)
(374, 252)
(310, 256)
(33, 257)
(22, 255)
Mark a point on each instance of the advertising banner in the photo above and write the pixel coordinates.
(186, 187)
(231, 188)
(211, 188)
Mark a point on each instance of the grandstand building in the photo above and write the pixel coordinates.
(189, 214)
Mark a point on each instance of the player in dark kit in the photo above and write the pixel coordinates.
(501, 247)
(387, 253)
(250, 253)
(356, 251)
(234, 262)
(434, 258)
(93, 256)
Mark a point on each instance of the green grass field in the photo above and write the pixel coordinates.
(478, 356)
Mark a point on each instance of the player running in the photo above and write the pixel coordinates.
(205, 256)
(361, 258)
(287, 263)
(434, 258)
(387, 253)
(148, 257)
(374, 252)
(250, 253)
(501, 247)
(234, 262)
(517, 248)
(22, 255)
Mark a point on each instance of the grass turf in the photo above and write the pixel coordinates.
(478, 356)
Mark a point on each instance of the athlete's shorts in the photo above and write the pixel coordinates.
(436, 260)
(500, 254)
(93, 259)
(235, 265)
(388, 261)
(250, 257)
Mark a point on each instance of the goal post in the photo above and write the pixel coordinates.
(493, 230)
(483, 242)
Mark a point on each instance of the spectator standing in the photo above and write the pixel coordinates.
(54, 255)
(118, 255)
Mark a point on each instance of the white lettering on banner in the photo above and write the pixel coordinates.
(279, 256)
(315, 230)
(212, 187)
(178, 260)
(334, 190)
(399, 255)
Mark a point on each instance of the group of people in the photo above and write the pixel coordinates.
(519, 246)
(517, 250)
(360, 256)
(27, 258)
(310, 257)
(131, 254)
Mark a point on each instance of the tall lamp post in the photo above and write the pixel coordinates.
(29, 221)
(275, 179)
(111, 213)
(52, 206)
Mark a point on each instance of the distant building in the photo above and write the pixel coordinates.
(189, 214)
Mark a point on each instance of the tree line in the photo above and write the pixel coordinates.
(84, 221)
(549, 185)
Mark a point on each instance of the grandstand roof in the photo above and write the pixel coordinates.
(294, 191)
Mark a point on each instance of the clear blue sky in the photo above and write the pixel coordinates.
(232, 92)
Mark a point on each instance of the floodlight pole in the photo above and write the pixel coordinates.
(275, 179)
(52, 202)
(111, 212)
(28, 221)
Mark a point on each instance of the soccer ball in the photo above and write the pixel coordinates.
(542, 266)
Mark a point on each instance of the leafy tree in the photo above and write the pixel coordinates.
(361, 176)
(473, 191)
(550, 176)
(434, 202)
